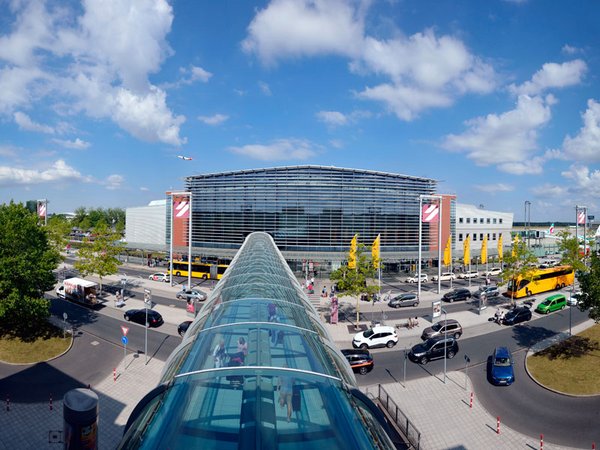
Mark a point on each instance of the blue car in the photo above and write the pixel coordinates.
(502, 373)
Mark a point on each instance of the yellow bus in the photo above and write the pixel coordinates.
(541, 280)
(199, 270)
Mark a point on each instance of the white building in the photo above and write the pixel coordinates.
(146, 226)
(478, 223)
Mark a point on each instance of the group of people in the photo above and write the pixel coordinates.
(220, 354)
(412, 322)
(498, 316)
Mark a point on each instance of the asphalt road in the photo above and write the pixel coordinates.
(523, 406)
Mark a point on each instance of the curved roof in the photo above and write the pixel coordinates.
(256, 369)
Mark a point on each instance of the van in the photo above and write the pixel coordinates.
(552, 303)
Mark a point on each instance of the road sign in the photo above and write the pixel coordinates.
(124, 340)
(124, 330)
(147, 295)
(65, 316)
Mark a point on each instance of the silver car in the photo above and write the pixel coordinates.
(191, 294)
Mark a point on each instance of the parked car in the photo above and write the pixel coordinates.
(469, 274)
(160, 276)
(139, 316)
(517, 315)
(456, 294)
(404, 300)
(574, 299)
(378, 336)
(501, 370)
(494, 271)
(415, 278)
(183, 327)
(448, 327)
(551, 304)
(360, 360)
(445, 276)
(434, 348)
(490, 291)
(191, 294)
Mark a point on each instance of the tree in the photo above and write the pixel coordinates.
(355, 282)
(568, 246)
(58, 229)
(97, 255)
(26, 263)
(519, 262)
(589, 283)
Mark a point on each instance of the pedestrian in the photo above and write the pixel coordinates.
(497, 316)
(286, 388)
(409, 323)
(324, 292)
(242, 346)
(219, 354)
(487, 281)
(416, 322)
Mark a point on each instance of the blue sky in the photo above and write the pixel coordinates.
(498, 100)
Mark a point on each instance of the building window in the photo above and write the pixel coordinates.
(494, 236)
(460, 237)
(494, 220)
(460, 220)
(481, 236)
(474, 236)
(487, 220)
(500, 220)
(474, 219)
(468, 220)
(488, 236)
(481, 220)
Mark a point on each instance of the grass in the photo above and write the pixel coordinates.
(570, 366)
(46, 344)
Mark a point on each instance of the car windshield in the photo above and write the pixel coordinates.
(546, 302)
(436, 327)
(368, 333)
(502, 361)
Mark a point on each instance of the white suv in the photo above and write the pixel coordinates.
(471, 274)
(378, 336)
(445, 276)
(415, 278)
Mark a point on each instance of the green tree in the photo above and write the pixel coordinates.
(589, 283)
(355, 282)
(568, 246)
(97, 255)
(519, 262)
(26, 263)
(58, 229)
(80, 215)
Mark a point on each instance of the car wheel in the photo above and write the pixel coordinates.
(204, 277)
(415, 304)
(423, 360)
(528, 293)
(390, 344)
(364, 346)
(456, 335)
(563, 307)
(451, 300)
(127, 318)
(363, 370)
(178, 274)
(450, 354)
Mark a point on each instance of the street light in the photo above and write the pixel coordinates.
(527, 219)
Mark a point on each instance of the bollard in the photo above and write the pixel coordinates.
(471, 401)
(50, 404)
(541, 442)
(498, 425)
(7, 403)
(593, 446)
(115, 374)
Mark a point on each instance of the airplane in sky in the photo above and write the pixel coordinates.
(185, 158)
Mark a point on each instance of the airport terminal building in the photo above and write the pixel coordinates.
(313, 212)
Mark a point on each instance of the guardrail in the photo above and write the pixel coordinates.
(402, 422)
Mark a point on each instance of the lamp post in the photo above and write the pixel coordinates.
(527, 219)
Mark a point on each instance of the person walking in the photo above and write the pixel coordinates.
(219, 354)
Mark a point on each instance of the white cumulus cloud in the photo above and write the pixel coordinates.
(279, 150)
(508, 139)
(553, 75)
(59, 171)
(25, 123)
(585, 146)
(77, 144)
(332, 118)
(114, 182)
(493, 188)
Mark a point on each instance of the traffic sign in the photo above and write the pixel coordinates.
(124, 340)
(147, 295)
(124, 330)
(65, 316)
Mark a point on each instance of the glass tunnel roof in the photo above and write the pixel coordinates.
(256, 369)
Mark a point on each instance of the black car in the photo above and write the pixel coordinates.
(360, 360)
(517, 315)
(139, 316)
(434, 348)
(404, 300)
(183, 326)
(456, 295)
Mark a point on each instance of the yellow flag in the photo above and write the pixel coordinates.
(352, 255)
(467, 251)
(484, 250)
(375, 251)
(500, 248)
(515, 243)
(448, 252)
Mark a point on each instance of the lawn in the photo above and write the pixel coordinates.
(571, 366)
(46, 344)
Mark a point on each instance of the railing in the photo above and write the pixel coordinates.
(404, 424)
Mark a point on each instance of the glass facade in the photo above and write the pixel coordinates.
(309, 209)
(257, 369)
